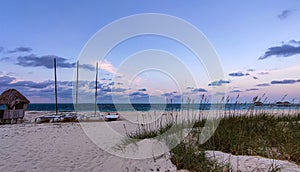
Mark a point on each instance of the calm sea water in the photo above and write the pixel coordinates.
(147, 107)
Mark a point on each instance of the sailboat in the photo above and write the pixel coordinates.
(94, 116)
(55, 117)
(113, 117)
(107, 117)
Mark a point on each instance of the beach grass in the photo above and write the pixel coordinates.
(258, 132)
(275, 137)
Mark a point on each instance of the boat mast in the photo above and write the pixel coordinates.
(77, 77)
(55, 86)
(96, 87)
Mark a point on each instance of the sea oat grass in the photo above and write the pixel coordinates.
(267, 133)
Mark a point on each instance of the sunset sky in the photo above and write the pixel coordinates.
(258, 44)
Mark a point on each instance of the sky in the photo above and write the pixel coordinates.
(257, 42)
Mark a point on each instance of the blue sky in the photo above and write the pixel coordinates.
(258, 43)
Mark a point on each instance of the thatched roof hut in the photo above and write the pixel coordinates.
(13, 99)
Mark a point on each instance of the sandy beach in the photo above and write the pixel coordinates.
(63, 147)
(67, 147)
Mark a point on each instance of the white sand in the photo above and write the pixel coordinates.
(66, 147)
(251, 163)
(63, 147)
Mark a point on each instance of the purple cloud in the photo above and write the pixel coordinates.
(263, 85)
(285, 50)
(199, 90)
(47, 62)
(286, 81)
(167, 94)
(119, 90)
(87, 66)
(20, 50)
(142, 89)
(238, 74)
(235, 91)
(31, 84)
(218, 83)
(6, 80)
(252, 89)
(263, 73)
(44, 61)
(285, 13)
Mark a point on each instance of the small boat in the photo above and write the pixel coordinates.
(56, 118)
(110, 117)
(285, 103)
(89, 118)
(258, 103)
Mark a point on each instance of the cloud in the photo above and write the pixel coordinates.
(45, 90)
(65, 93)
(167, 94)
(6, 80)
(285, 50)
(44, 61)
(254, 77)
(142, 89)
(20, 50)
(92, 85)
(138, 97)
(41, 90)
(111, 83)
(120, 90)
(218, 83)
(251, 70)
(1, 49)
(199, 90)
(5, 59)
(87, 66)
(263, 73)
(173, 96)
(107, 66)
(31, 84)
(263, 85)
(105, 89)
(252, 89)
(106, 79)
(286, 81)
(294, 42)
(238, 74)
(235, 91)
(285, 13)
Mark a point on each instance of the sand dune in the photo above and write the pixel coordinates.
(63, 147)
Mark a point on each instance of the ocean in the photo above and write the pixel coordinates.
(69, 107)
